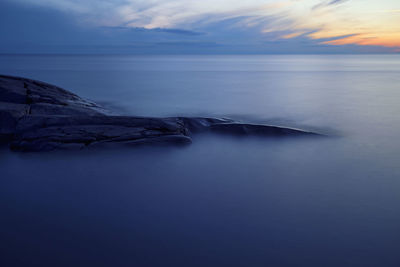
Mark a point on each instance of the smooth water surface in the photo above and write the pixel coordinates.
(222, 201)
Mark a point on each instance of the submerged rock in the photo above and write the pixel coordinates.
(36, 116)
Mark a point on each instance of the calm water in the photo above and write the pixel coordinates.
(221, 201)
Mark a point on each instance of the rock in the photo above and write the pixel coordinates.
(47, 108)
(33, 132)
(255, 129)
(9, 115)
(12, 91)
(37, 116)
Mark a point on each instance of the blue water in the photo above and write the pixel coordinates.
(221, 201)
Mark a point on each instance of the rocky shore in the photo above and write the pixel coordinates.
(36, 116)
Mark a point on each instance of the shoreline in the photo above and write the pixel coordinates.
(37, 116)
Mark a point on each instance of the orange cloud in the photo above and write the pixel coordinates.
(365, 39)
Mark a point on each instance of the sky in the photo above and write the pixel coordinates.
(200, 26)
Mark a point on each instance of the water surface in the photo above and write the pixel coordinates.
(221, 201)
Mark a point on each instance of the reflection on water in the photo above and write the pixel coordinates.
(222, 201)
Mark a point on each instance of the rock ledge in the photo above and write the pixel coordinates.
(36, 116)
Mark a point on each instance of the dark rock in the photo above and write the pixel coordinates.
(36, 116)
(56, 109)
(12, 91)
(255, 129)
(9, 115)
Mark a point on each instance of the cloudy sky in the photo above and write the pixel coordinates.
(200, 26)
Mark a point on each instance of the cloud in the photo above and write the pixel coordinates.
(328, 3)
(190, 26)
(336, 2)
(160, 30)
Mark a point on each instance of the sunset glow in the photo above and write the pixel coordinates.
(325, 23)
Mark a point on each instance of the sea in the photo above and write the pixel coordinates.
(223, 200)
